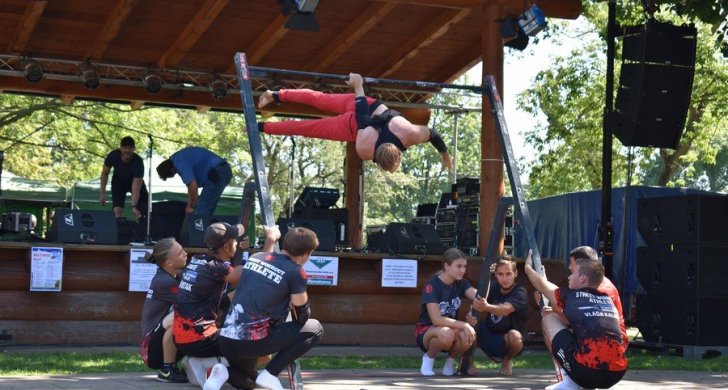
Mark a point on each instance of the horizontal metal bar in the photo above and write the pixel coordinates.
(256, 71)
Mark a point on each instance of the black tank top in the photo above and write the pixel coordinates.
(381, 123)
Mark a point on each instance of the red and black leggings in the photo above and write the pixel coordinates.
(342, 127)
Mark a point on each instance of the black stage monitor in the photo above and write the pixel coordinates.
(318, 198)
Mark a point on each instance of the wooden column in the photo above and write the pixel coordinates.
(354, 196)
(491, 164)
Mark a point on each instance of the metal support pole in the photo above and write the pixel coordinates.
(256, 71)
(606, 227)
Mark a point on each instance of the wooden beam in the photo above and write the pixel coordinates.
(349, 36)
(563, 9)
(492, 187)
(454, 69)
(111, 28)
(425, 37)
(67, 99)
(136, 104)
(202, 20)
(354, 196)
(266, 40)
(33, 11)
(202, 109)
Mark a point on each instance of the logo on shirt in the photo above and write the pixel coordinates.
(304, 275)
(428, 288)
(450, 309)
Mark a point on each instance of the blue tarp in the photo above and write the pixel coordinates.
(564, 222)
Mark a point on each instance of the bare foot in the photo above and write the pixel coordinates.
(506, 367)
(265, 99)
(472, 371)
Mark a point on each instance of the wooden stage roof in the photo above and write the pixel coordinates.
(189, 43)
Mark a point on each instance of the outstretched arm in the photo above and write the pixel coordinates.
(439, 144)
(360, 101)
(539, 281)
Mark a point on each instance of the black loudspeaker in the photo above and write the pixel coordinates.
(84, 227)
(339, 218)
(683, 319)
(685, 219)
(685, 270)
(194, 225)
(130, 231)
(414, 238)
(167, 217)
(655, 84)
(324, 229)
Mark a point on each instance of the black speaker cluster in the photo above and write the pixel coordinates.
(683, 269)
(655, 84)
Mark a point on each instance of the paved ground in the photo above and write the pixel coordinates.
(374, 379)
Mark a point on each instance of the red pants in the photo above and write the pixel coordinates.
(342, 127)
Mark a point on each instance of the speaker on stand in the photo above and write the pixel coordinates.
(655, 84)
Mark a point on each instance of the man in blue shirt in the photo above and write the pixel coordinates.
(198, 167)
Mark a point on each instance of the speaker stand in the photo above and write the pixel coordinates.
(148, 239)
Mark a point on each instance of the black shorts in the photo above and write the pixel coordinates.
(119, 191)
(152, 349)
(563, 347)
(207, 347)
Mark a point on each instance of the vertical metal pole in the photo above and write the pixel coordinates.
(606, 229)
(455, 149)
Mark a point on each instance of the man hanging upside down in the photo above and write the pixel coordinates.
(381, 134)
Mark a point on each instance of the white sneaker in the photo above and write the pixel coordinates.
(267, 380)
(449, 368)
(218, 377)
(565, 384)
(427, 366)
(195, 369)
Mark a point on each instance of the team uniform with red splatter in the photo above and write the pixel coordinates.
(161, 296)
(201, 292)
(449, 297)
(256, 323)
(593, 351)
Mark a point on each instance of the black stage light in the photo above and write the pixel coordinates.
(515, 31)
(89, 76)
(218, 88)
(152, 82)
(33, 71)
(302, 17)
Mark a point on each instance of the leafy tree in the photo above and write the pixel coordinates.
(570, 94)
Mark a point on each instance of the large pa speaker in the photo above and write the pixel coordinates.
(411, 238)
(84, 227)
(167, 217)
(324, 229)
(338, 216)
(683, 319)
(194, 225)
(684, 219)
(655, 84)
(687, 269)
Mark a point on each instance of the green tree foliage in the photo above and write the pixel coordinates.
(570, 95)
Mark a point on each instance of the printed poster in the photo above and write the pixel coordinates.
(399, 273)
(46, 269)
(141, 272)
(322, 270)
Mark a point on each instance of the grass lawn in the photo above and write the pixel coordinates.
(79, 362)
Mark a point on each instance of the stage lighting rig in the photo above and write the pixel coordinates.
(218, 88)
(32, 70)
(152, 81)
(515, 31)
(301, 14)
(89, 76)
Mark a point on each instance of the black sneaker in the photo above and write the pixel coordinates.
(172, 375)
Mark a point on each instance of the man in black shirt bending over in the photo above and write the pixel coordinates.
(128, 177)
